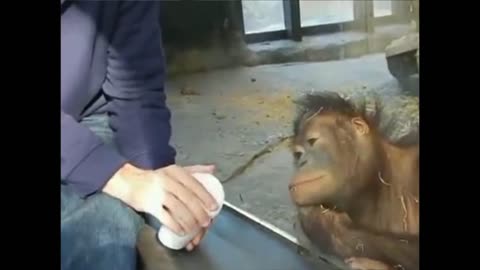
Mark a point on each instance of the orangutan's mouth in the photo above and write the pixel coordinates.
(301, 182)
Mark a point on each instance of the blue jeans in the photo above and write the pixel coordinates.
(99, 232)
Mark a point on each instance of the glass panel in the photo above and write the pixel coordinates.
(382, 8)
(325, 12)
(348, 62)
(263, 16)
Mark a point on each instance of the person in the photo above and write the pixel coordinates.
(116, 159)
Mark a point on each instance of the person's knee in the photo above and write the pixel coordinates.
(105, 221)
(116, 221)
(69, 201)
(100, 233)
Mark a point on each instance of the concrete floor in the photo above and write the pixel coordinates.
(240, 119)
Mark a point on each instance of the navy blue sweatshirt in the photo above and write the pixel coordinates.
(112, 61)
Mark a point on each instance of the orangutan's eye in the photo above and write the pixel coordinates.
(311, 141)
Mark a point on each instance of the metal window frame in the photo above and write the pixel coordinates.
(294, 31)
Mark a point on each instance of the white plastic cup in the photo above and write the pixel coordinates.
(176, 242)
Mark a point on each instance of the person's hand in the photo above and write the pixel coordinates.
(198, 238)
(196, 241)
(170, 194)
(200, 169)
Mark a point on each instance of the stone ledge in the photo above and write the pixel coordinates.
(328, 47)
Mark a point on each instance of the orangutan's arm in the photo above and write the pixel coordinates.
(335, 231)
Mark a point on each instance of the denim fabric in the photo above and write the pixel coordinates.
(99, 232)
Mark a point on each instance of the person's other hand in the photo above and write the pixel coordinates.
(170, 194)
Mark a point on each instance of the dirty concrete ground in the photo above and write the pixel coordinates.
(240, 119)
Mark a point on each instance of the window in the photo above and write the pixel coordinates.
(382, 8)
(325, 12)
(265, 20)
(262, 16)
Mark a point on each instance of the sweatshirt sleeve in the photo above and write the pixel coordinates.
(86, 162)
(135, 86)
